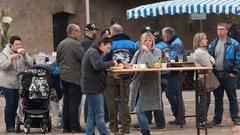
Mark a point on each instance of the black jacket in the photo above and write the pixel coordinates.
(86, 42)
(93, 79)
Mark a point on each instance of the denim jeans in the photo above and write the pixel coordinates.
(96, 114)
(158, 117)
(201, 108)
(11, 97)
(230, 86)
(142, 118)
(172, 94)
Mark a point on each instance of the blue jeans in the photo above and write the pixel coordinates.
(96, 114)
(11, 98)
(142, 118)
(158, 117)
(201, 109)
(172, 94)
(230, 86)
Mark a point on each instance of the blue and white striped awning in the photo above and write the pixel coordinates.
(185, 6)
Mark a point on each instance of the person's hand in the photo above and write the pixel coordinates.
(22, 51)
(14, 56)
(232, 75)
(127, 65)
(115, 63)
(145, 48)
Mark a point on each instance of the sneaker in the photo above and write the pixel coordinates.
(176, 122)
(216, 124)
(236, 121)
(126, 131)
(80, 130)
(113, 130)
(160, 129)
(10, 130)
(203, 125)
(135, 126)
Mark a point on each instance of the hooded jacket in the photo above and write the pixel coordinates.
(93, 80)
(9, 69)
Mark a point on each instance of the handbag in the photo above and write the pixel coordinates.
(212, 82)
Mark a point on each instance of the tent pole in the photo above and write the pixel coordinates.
(201, 26)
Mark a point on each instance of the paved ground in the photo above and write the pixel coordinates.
(189, 128)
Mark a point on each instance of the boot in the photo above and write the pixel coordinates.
(145, 132)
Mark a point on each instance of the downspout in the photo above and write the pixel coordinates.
(87, 12)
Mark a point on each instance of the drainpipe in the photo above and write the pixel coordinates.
(87, 12)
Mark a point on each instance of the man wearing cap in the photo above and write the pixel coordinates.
(90, 31)
(122, 51)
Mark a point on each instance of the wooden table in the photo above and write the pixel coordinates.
(180, 68)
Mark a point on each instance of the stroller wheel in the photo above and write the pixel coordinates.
(44, 128)
(18, 122)
(27, 128)
(49, 124)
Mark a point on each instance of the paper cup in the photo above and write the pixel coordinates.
(164, 65)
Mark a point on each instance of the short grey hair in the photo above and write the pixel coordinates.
(116, 28)
(169, 31)
(71, 28)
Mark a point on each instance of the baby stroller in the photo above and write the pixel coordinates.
(35, 100)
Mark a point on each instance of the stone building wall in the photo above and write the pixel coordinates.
(33, 20)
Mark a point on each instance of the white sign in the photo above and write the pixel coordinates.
(198, 16)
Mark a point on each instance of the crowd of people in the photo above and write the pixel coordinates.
(83, 62)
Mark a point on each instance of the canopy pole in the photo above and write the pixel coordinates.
(201, 26)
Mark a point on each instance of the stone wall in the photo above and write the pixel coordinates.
(33, 20)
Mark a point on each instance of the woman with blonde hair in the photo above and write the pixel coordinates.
(146, 85)
(202, 59)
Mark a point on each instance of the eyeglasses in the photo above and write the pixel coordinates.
(221, 29)
(78, 30)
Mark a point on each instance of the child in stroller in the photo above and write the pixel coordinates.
(36, 84)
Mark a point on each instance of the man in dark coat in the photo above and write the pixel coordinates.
(69, 58)
(90, 31)
(93, 82)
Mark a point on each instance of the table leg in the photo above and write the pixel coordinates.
(115, 107)
(197, 103)
(205, 105)
(121, 105)
(181, 100)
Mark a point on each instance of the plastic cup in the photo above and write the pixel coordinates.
(180, 57)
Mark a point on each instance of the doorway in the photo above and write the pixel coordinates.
(60, 22)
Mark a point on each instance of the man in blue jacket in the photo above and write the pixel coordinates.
(171, 46)
(122, 51)
(226, 52)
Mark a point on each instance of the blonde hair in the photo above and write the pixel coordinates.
(197, 39)
(145, 36)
